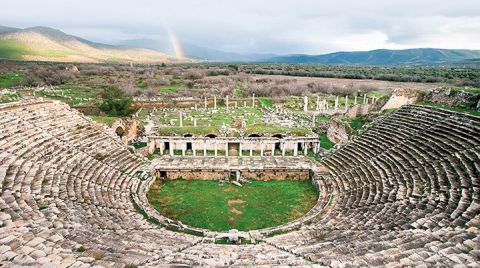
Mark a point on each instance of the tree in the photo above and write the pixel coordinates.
(115, 102)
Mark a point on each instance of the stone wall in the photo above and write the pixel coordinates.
(337, 132)
(263, 175)
(402, 97)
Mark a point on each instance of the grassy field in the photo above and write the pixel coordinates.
(221, 207)
(8, 80)
(325, 142)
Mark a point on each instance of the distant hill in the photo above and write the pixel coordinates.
(412, 57)
(47, 44)
(197, 52)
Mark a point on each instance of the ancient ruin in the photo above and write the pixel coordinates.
(403, 193)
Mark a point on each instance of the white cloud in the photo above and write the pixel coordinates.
(287, 26)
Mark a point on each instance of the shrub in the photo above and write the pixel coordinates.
(115, 103)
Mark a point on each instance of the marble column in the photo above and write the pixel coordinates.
(305, 104)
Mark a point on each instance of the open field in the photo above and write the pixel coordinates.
(221, 207)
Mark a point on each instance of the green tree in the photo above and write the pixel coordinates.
(115, 102)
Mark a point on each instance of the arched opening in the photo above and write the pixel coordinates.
(188, 143)
(253, 136)
(211, 136)
(299, 146)
(120, 132)
(277, 143)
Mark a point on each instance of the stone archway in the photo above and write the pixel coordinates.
(120, 132)
(278, 143)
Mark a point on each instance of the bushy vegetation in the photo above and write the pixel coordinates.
(221, 207)
(453, 75)
(115, 103)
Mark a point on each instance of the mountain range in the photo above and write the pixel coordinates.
(48, 44)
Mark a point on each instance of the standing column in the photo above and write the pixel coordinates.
(162, 147)
(283, 148)
(240, 149)
(251, 148)
(171, 148)
(305, 149)
(355, 100)
(205, 102)
(226, 148)
(273, 149)
(216, 147)
(346, 103)
(317, 107)
(204, 147)
(262, 145)
(313, 119)
(227, 102)
(195, 122)
(253, 100)
(324, 105)
(305, 103)
(184, 148)
(295, 149)
(181, 119)
(196, 106)
(364, 98)
(194, 149)
(336, 103)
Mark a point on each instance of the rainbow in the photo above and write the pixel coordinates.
(177, 47)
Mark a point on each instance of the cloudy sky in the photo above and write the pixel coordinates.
(268, 26)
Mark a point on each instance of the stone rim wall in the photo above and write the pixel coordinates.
(139, 198)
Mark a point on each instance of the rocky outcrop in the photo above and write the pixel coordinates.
(402, 97)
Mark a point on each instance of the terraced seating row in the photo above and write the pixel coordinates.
(404, 193)
(65, 185)
(408, 182)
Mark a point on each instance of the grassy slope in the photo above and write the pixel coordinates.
(205, 203)
(325, 142)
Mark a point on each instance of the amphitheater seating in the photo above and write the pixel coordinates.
(65, 187)
(404, 193)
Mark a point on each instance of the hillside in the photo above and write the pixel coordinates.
(414, 57)
(47, 44)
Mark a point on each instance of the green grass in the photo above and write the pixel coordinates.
(173, 88)
(267, 102)
(107, 120)
(452, 108)
(9, 98)
(255, 205)
(8, 80)
(357, 123)
(15, 50)
(325, 143)
(266, 129)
